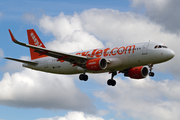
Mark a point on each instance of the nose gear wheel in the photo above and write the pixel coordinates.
(150, 69)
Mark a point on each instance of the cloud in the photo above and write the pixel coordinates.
(103, 112)
(143, 99)
(32, 89)
(163, 12)
(74, 116)
(69, 33)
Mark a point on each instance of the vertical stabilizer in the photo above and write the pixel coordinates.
(34, 39)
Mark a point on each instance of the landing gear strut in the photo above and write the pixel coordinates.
(83, 76)
(111, 81)
(150, 69)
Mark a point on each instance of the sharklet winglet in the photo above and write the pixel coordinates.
(12, 36)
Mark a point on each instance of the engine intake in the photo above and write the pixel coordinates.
(96, 64)
(137, 72)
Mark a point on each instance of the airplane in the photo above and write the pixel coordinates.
(131, 60)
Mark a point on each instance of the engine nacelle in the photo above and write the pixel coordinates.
(137, 72)
(96, 64)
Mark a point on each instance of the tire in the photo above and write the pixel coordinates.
(111, 82)
(151, 74)
(81, 76)
(85, 77)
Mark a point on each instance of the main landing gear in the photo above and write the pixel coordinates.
(83, 76)
(150, 69)
(111, 81)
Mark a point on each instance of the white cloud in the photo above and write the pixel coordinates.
(69, 33)
(32, 89)
(143, 99)
(122, 27)
(163, 12)
(158, 4)
(74, 116)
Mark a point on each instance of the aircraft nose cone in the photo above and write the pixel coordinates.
(170, 54)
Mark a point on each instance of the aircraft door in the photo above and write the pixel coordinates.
(145, 49)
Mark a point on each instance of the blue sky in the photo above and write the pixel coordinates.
(69, 26)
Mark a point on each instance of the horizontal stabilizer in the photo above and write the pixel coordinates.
(23, 61)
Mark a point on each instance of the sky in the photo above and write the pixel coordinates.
(70, 26)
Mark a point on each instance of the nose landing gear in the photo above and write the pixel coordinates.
(111, 81)
(150, 69)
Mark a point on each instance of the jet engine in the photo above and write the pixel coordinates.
(137, 72)
(96, 64)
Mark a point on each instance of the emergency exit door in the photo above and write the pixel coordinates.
(145, 48)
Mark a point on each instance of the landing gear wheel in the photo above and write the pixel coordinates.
(151, 74)
(83, 77)
(111, 82)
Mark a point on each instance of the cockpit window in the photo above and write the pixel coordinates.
(164, 46)
(160, 46)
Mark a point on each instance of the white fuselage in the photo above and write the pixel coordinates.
(119, 58)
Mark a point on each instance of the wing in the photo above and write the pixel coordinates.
(74, 59)
(23, 61)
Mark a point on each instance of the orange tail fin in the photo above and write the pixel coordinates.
(34, 39)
